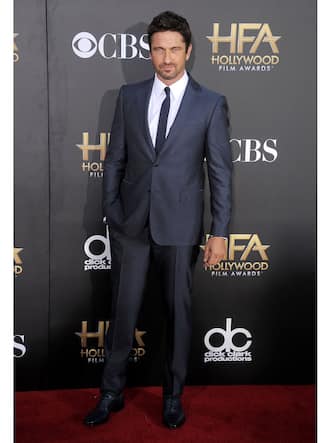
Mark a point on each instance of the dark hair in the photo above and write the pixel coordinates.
(170, 21)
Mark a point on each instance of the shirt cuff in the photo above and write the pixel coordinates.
(220, 236)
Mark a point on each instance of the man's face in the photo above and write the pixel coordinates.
(169, 55)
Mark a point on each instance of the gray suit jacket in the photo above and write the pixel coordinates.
(168, 187)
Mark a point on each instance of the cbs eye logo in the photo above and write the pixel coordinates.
(84, 45)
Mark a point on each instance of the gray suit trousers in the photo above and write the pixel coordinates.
(131, 258)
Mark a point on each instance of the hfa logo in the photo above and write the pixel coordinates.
(16, 56)
(97, 249)
(18, 264)
(93, 155)
(245, 39)
(96, 353)
(19, 346)
(221, 346)
(247, 257)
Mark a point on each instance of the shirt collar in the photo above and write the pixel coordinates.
(176, 89)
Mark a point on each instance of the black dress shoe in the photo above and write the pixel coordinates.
(108, 403)
(173, 414)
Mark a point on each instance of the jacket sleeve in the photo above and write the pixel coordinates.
(115, 160)
(219, 167)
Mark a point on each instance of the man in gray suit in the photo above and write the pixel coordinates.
(163, 129)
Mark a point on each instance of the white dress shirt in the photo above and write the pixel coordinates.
(157, 97)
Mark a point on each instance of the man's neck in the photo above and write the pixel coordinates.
(172, 81)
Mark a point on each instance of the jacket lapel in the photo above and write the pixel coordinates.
(143, 105)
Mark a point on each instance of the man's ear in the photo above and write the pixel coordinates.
(189, 50)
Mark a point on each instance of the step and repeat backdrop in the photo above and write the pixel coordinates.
(254, 313)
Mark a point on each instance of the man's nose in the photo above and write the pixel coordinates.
(167, 57)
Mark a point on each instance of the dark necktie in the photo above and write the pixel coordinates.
(163, 116)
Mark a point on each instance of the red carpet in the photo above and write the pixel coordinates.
(215, 414)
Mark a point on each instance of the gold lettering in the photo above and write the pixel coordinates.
(256, 246)
(216, 38)
(138, 337)
(86, 147)
(18, 269)
(245, 38)
(17, 258)
(265, 36)
(239, 38)
(232, 244)
(99, 334)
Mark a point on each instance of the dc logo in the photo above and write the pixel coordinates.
(94, 244)
(84, 45)
(227, 335)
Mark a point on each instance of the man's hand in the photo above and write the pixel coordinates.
(215, 250)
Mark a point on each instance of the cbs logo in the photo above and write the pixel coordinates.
(19, 346)
(84, 45)
(251, 150)
(111, 46)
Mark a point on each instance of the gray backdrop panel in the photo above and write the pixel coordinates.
(274, 197)
(31, 169)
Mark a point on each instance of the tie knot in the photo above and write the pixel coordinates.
(167, 91)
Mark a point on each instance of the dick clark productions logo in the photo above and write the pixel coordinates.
(222, 347)
(97, 249)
